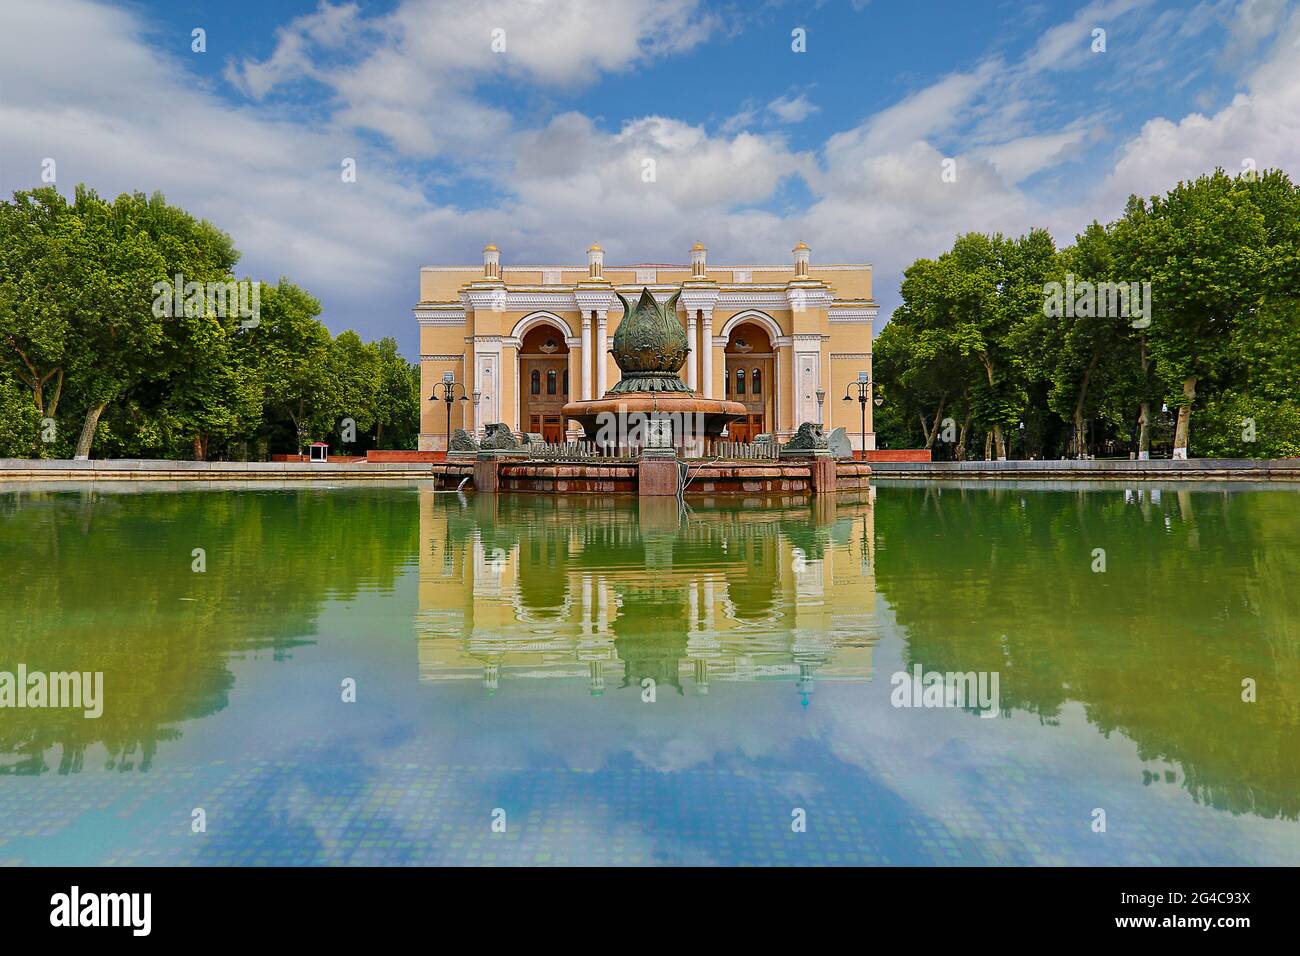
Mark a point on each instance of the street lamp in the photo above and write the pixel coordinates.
(863, 386)
(448, 395)
(477, 396)
(821, 400)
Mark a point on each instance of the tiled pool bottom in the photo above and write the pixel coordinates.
(500, 664)
(306, 810)
(604, 782)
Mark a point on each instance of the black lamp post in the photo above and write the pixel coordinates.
(863, 386)
(449, 396)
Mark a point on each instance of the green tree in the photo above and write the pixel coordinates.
(397, 403)
(291, 349)
(40, 241)
(20, 423)
(134, 243)
(1211, 253)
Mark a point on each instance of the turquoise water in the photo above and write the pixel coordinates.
(565, 681)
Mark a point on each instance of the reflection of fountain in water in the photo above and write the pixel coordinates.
(612, 592)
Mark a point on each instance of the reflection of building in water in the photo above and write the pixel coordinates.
(518, 587)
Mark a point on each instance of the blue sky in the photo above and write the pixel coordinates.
(539, 147)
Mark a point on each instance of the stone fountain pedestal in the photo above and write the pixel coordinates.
(656, 474)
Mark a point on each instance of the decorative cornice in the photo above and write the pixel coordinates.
(850, 355)
(699, 297)
(663, 266)
(486, 300)
(460, 357)
(594, 299)
(854, 313)
(440, 315)
(802, 297)
(500, 299)
(773, 298)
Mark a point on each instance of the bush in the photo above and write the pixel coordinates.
(1224, 428)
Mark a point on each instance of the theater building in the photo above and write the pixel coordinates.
(518, 342)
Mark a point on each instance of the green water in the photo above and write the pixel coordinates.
(633, 685)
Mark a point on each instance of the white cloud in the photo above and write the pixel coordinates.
(1262, 124)
(1251, 23)
(120, 114)
(411, 74)
(296, 44)
(1069, 45)
(1018, 159)
(792, 109)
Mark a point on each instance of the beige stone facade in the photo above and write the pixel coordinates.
(517, 342)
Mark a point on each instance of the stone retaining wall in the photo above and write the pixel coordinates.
(14, 469)
(745, 478)
(566, 479)
(793, 477)
(1220, 469)
(852, 476)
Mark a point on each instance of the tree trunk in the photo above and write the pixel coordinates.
(960, 453)
(1184, 417)
(997, 429)
(53, 405)
(200, 447)
(934, 429)
(1144, 431)
(1080, 441)
(988, 445)
(88, 429)
(1144, 417)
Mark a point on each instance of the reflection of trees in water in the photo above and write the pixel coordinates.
(103, 582)
(1198, 594)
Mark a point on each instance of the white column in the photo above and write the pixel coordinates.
(777, 387)
(794, 389)
(586, 356)
(693, 358)
(602, 346)
(519, 392)
(706, 351)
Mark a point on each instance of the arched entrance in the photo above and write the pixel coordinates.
(751, 380)
(543, 381)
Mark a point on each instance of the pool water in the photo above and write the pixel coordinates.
(394, 675)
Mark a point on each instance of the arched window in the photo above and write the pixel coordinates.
(726, 386)
(740, 381)
(566, 381)
(551, 377)
(757, 379)
(536, 382)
